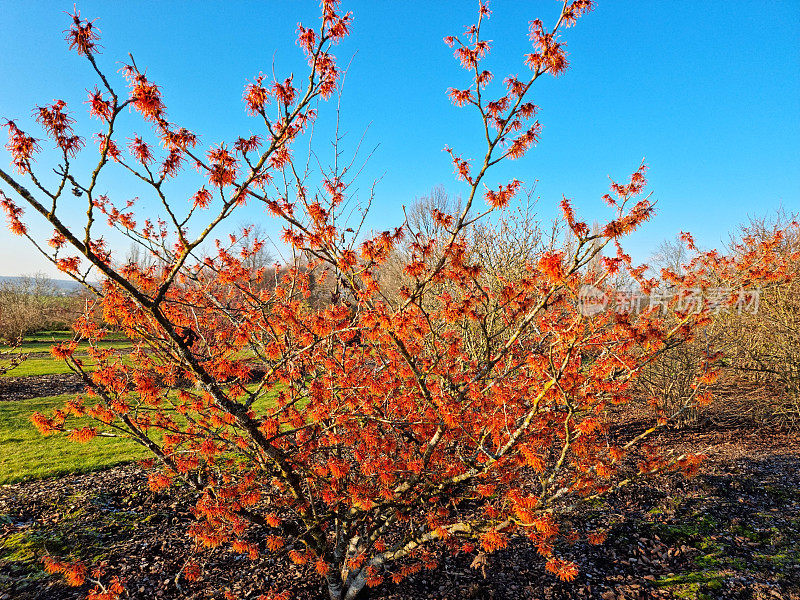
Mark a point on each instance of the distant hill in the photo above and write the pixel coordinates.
(63, 286)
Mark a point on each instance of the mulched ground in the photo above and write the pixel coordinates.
(732, 532)
(36, 386)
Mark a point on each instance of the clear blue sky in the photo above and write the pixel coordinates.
(707, 92)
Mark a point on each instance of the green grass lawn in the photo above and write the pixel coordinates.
(48, 336)
(26, 454)
(44, 346)
(44, 366)
(47, 365)
(42, 341)
(65, 336)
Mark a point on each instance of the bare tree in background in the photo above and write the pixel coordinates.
(255, 245)
(764, 345)
(31, 303)
(505, 247)
(420, 214)
(139, 256)
(420, 225)
(670, 254)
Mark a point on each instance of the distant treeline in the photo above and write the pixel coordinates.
(36, 303)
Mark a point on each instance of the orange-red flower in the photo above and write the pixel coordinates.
(99, 106)
(256, 96)
(564, 570)
(493, 540)
(83, 434)
(21, 146)
(223, 168)
(141, 150)
(13, 214)
(146, 99)
(82, 34)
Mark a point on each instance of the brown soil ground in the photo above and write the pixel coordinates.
(36, 386)
(731, 532)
